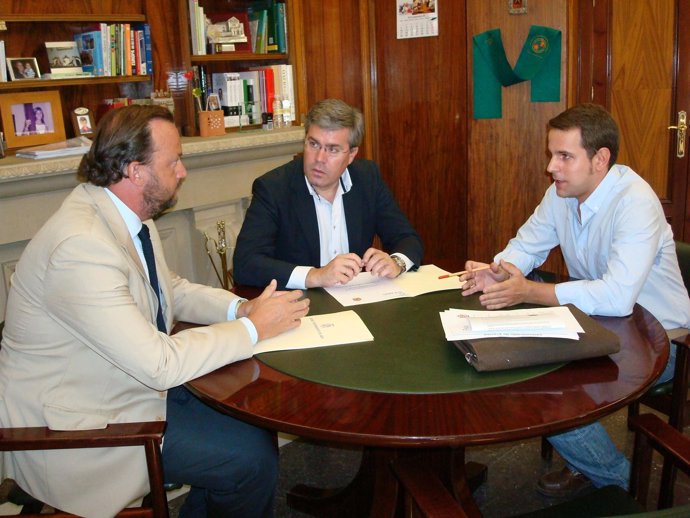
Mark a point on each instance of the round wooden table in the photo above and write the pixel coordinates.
(436, 426)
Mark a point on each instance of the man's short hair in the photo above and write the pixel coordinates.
(123, 136)
(334, 114)
(597, 128)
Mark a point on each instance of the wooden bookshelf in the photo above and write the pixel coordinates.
(21, 22)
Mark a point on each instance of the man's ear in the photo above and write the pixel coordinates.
(601, 159)
(353, 154)
(134, 173)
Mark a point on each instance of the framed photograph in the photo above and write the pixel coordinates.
(213, 102)
(82, 122)
(64, 59)
(32, 118)
(23, 68)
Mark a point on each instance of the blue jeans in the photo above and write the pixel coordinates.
(590, 451)
(231, 466)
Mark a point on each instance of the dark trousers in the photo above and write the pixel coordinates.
(231, 466)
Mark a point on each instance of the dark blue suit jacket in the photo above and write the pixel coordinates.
(280, 229)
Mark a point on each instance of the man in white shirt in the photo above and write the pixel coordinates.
(312, 222)
(614, 236)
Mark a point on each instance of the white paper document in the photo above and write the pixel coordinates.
(345, 327)
(366, 288)
(553, 322)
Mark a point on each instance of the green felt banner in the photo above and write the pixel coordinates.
(539, 62)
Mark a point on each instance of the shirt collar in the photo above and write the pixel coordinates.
(594, 201)
(132, 221)
(344, 187)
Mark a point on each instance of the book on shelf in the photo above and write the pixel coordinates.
(70, 147)
(197, 28)
(277, 83)
(252, 97)
(281, 27)
(3, 66)
(90, 45)
(259, 36)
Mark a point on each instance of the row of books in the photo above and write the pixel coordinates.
(247, 95)
(264, 24)
(116, 49)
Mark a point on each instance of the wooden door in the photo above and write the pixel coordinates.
(639, 62)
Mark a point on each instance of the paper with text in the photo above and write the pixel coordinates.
(345, 327)
(366, 288)
(552, 322)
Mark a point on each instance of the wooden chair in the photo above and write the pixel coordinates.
(148, 435)
(425, 496)
(669, 398)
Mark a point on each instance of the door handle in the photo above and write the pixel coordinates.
(680, 136)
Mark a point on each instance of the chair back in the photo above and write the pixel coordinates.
(683, 253)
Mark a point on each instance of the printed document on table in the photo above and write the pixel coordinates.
(345, 327)
(552, 322)
(366, 288)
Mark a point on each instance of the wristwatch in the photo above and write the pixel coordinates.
(400, 263)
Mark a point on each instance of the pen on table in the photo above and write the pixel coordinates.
(457, 274)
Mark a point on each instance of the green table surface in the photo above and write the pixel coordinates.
(409, 354)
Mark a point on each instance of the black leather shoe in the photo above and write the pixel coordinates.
(563, 484)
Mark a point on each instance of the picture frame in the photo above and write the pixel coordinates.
(83, 122)
(64, 59)
(32, 118)
(23, 68)
(213, 102)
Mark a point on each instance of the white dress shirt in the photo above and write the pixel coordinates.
(134, 225)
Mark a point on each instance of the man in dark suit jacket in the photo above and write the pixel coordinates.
(311, 222)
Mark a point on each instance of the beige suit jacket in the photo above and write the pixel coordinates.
(81, 349)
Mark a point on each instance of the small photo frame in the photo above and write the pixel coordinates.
(32, 118)
(517, 6)
(23, 68)
(213, 102)
(82, 122)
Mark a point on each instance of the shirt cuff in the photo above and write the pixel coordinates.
(232, 308)
(232, 311)
(250, 329)
(298, 278)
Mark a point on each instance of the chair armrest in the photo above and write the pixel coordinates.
(118, 434)
(426, 490)
(682, 341)
(664, 438)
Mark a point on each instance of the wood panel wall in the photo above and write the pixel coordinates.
(420, 108)
(507, 157)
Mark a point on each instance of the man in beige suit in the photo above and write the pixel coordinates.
(82, 348)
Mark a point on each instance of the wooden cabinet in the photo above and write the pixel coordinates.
(29, 24)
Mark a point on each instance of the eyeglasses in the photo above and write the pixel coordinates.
(331, 149)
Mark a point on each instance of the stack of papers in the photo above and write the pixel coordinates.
(366, 288)
(73, 146)
(553, 322)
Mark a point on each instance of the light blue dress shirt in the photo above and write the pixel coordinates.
(620, 245)
(134, 225)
